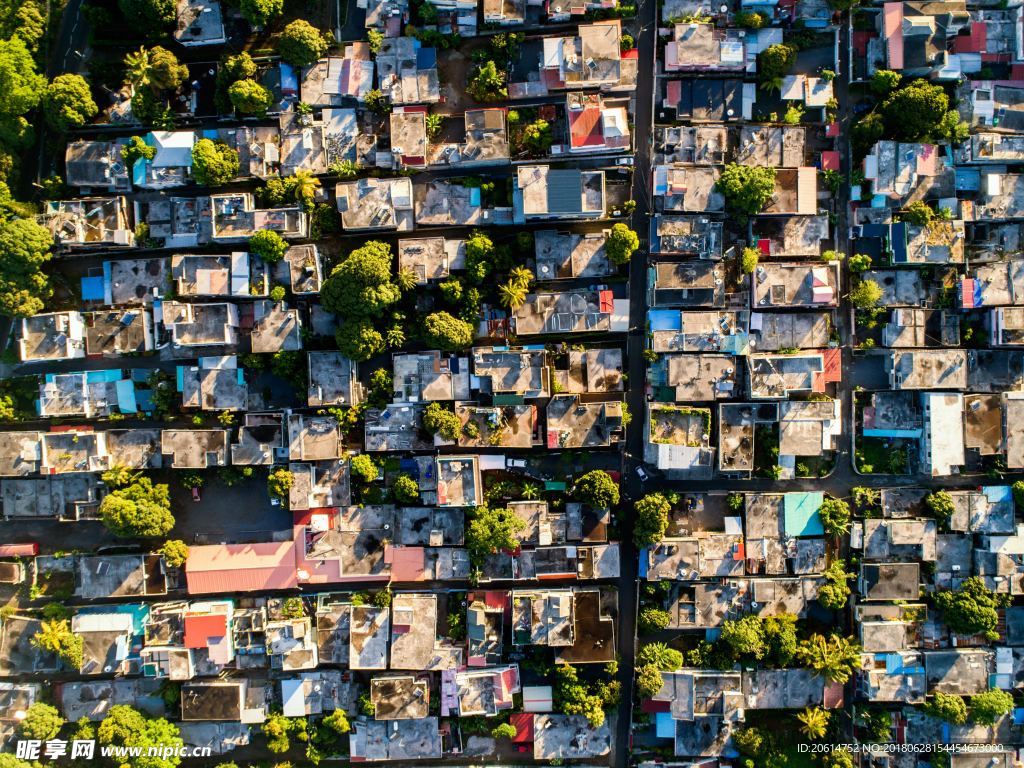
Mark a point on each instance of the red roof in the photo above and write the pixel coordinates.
(892, 29)
(1017, 72)
(632, 53)
(650, 706)
(585, 127)
(830, 160)
(257, 567)
(606, 300)
(406, 563)
(496, 599)
(974, 42)
(764, 245)
(199, 629)
(523, 723)
(673, 92)
(832, 130)
(833, 365)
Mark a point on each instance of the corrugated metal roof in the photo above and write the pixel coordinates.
(565, 193)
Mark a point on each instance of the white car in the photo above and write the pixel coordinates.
(642, 473)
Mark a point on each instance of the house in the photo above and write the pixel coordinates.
(458, 481)
(942, 441)
(571, 311)
(562, 737)
(481, 692)
(541, 192)
(893, 677)
(704, 100)
(330, 81)
(414, 643)
(171, 165)
(260, 440)
(431, 258)
(375, 204)
(687, 189)
(889, 581)
(315, 693)
(780, 285)
(238, 275)
(445, 203)
(199, 22)
(796, 193)
(591, 371)
(291, 645)
(573, 422)
(408, 128)
(198, 325)
(89, 222)
(100, 577)
(578, 623)
(106, 641)
(395, 740)
(275, 327)
(677, 439)
(320, 484)
(774, 375)
(51, 336)
(399, 697)
(235, 217)
(96, 167)
(431, 375)
(927, 369)
(597, 125)
(568, 255)
(697, 236)
(905, 173)
(913, 327)
(1001, 196)
(305, 270)
(213, 384)
(220, 568)
(407, 71)
(916, 37)
(697, 47)
(809, 428)
(691, 284)
(590, 59)
(313, 438)
(112, 333)
(194, 448)
(59, 497)
(485, 612)
(90, 394)
(236, 700)
(332, 380)
(485, 141)
(776, 146)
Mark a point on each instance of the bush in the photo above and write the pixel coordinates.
(406, 490)
(301, 43)
(834, 593)
(487, 83)
(504, 731)
(652, 620)
(438, 420)
(866, 294)
(622, 242)
(948, 707)
(652, 518)
(749, 260)
(859, 263)
(987, 708)
(885, 81)
(268, 245)
(278, 294)
(259, 12)
(835, 516)
(661, 656)
(941, 506)
(969, 610)
(279, 483)
(175, 552)
(446, 332)
(918, 213)
(648, 681)
(747, 189)
(249, 97)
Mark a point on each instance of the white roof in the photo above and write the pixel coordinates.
(537, 698)
(173, 148)
(101, 622)
(945, 431)
(293, 697)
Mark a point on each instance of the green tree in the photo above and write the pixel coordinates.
(268, 245)
(919, 110)
(305, 185)
(259, 12)
(504, 731)
(41, 722)
(622, 242)
(537, 137)
(573, 697)
(948, 707)
(941, 506)
(444, 331)
(834, 593)
(175, 552)
(213, 163)
(866, 294)
(406, 490)
(277, 728)
(438, 420)
(361, 286)
(363, 468)
(21, 88)
(1018, 494)
(301, 43)
(987, 708)
(885, 81)
(491, 530)
(814, 722)
(156, 68)
(512, 294)
(148, 16)
(747, 189)
(970, 610)
(24, 248)
(68, 102)
(749, 259)
(835, 516)
(279, 483)
(338, 722)
(375, 38)
(249, 97)
(859, 263)
(377, 102)
(661, 656)
(745, 637)
(780, 637)
(140, 510)
(487, 83)
(918, 213)
(136, 149)
(119, 476)
(775, 61)
(648, 680)
(358, 340)
(597, 489)
(651, 620)
(55, 636)
(125, 726)
(835, 658)
(652, 517)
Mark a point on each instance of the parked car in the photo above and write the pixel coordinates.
(642, 473)
(195, 493)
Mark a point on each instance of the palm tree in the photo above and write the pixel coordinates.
(772, 84)
(347, 169)
(395, 336)
(139, 68)
(306, 185)
(834, 657)
(512, 294)
(813, 722)
(118, 476)
(521, 276)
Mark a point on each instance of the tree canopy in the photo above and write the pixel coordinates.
(835, 516)
(747, 189)
(139, 510)
(125, 726)
(24, 248)
(213, 163)
(259, 12)
(249, 97)
(834, 593)
(363, 468)
(279, 483)
(361, 286)
(175, 552)
(866, 294)
(572, 696)
(41, 721)
(55, 636)
(652, 518)
(359, 340)
(487, 83)
(148, 15)
(971, 609)
(21, 88)
(447, 332)
(438, 420)
(834, 657)
(597, 489)
(491, 530)
(406, 490)
(301, 43)
(68, 102)
(948, 707)
(988, 707)
(622, 242)
(918, 111)
(268, 245)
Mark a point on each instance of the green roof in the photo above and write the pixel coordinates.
(800, 514)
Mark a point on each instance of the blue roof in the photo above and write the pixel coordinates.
(92, 288)
(665, 320)
(126, 397)
(664, 725)
(997, 493)
(426, 58)
(800, 514)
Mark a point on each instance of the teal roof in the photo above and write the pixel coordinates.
(800, 514)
